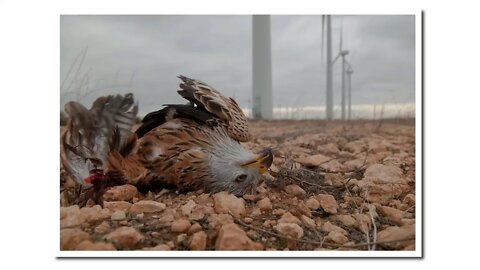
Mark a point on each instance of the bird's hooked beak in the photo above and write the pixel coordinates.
(262, 161)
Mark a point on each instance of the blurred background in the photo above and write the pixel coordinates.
(372, 61)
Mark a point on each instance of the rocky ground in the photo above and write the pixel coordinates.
(333, 186)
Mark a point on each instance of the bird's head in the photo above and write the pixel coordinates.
(237, 169)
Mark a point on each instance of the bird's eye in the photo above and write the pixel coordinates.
(241, 178)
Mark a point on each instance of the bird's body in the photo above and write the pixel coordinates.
(193, 146)
(190, 156)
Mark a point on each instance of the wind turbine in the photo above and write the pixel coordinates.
(326, 23)
(342, 53)
(262, 67)
(349, 75)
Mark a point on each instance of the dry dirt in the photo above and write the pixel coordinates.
(333, 186)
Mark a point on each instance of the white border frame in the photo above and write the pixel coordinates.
(418, 253)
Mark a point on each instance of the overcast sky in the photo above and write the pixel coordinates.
(144, 54)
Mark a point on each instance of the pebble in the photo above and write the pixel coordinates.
(147, 206)
(409, 200)
(120, 193)
(383, 174)
(328, 203)
(256, 212)
(329, 148)
(295, 190)
(261, 190)
(103, 228)
(303, 209)
(308, 222)
(200, 211)
(382, 184)
(408, 221)
(397, 233)
(313, 160)
(188, 207)
(248, 220)
(290, 229)
(391, 214)
(354, 164)
(117, 205)
(225, 203)
(194, 228)
(71, 237)
(337, 237)
(362, 222)
(166, 219)
(118, 215)
(232, 237)
(354, 146)
(278, 212)
(289, 218)
(71, 216)
(346, 220)
(198, 241)
(251, 197)
(269, 223)
(180, 226)
(170, 244)
(312, 203)
(329, 227)
(265, 204)
(392, 161)
(125, 237)
(335, 179)
(181, 238)
(333, 166)
(94, 213)
(252, 234)
(217, 220)
(88, 245)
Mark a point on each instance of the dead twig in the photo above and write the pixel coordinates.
(374, 227)
(322, 243)
(302, 181)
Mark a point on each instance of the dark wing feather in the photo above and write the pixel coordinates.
(153, 120)
(157, 118)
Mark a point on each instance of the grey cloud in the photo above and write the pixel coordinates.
(217, 50)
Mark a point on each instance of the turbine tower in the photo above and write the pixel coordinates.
(262, 67)
(329, 70)
(349, 79)
(342, 53)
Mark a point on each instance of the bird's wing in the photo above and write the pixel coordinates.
(92, 134)
(78, 142)
(212, 101)
(115, 111)
(157, 118)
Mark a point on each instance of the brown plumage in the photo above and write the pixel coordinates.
(192, 146)
(227, 111)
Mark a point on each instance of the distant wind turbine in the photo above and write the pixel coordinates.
(326, 23)
(349, 76)
(342, 53)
